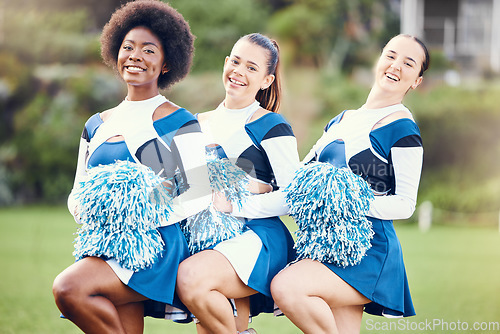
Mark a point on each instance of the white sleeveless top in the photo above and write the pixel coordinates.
(131, 119)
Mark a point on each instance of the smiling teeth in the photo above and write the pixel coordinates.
(134, 68)
(392, 77)
(236, 82)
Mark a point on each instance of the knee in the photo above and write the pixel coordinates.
(65, 294)
(189, 281)
(283, 290)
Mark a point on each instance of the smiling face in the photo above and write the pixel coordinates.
(245, 73)
(398, 68)
(140, 61)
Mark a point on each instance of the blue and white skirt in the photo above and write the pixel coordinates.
(257, 256)
(381, 275)
(158, 282)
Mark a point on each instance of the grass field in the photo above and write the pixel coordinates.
(454, 275)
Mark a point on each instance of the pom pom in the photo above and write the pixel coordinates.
(121, 205)
(226, 177)
(329, 205)
(209, 227)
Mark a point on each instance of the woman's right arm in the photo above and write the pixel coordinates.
(80, 176)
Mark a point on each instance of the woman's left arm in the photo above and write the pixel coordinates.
(407, 159)
(284, 161)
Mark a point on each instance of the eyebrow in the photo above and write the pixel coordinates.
(409, 58)
(248, 61)
(144, 44)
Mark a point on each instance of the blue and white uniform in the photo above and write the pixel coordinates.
(266, 150)
(390, 159)
(172, 145)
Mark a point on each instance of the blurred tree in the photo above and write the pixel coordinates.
(217, 25)
(99, 10)
(333, 34)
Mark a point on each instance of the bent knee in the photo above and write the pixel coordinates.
(283, 289)
(189, 280)
(65, 292)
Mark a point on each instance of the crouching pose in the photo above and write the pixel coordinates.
(380, 142)
(151, 47)
(246, 129)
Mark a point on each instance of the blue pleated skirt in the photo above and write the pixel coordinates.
(276, 252)
(158, 282)
(381, 274)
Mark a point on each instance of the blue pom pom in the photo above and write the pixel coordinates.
(226, 177)
(329, 205)
(209, 227)
(121, 205)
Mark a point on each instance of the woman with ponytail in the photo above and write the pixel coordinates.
(379, 143)
(247, 129)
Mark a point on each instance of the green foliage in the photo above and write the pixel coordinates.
(333, 34)
(217, 25)
(48, 128)
(45, 37)
(306, 32)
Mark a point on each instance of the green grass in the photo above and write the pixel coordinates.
(453, 272)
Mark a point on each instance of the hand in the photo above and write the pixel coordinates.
(221, 203)
(76, 214)
(255, 187)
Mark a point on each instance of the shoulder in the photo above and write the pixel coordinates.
(176, 121)
(264, 117)
(395, 116)
(401, 132)
(204, 116)
(336, 119)
(93, 124)
(269, 125)
(104, 115)
(164, 110)
(258, 114)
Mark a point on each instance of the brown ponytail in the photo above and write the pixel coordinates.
(270, 97)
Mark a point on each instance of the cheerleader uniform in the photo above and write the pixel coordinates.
(266, 150)
(390, 159)
(172, 146)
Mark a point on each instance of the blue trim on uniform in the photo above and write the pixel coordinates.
(259, 129)
(168, 126)
(334, 153)
(109, 152)
(92, 125)
(335, 120)
(384, 138)
(279, 130)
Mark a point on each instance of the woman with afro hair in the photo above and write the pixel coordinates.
(150, 46)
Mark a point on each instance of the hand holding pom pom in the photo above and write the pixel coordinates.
(213, 225)
(329, 205)
(120, 206)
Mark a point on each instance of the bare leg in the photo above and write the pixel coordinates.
(348, 318)
(205, 281)
(202, 330)
(243, 309)
(132, 317)
(87, 293)
(307, 291)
